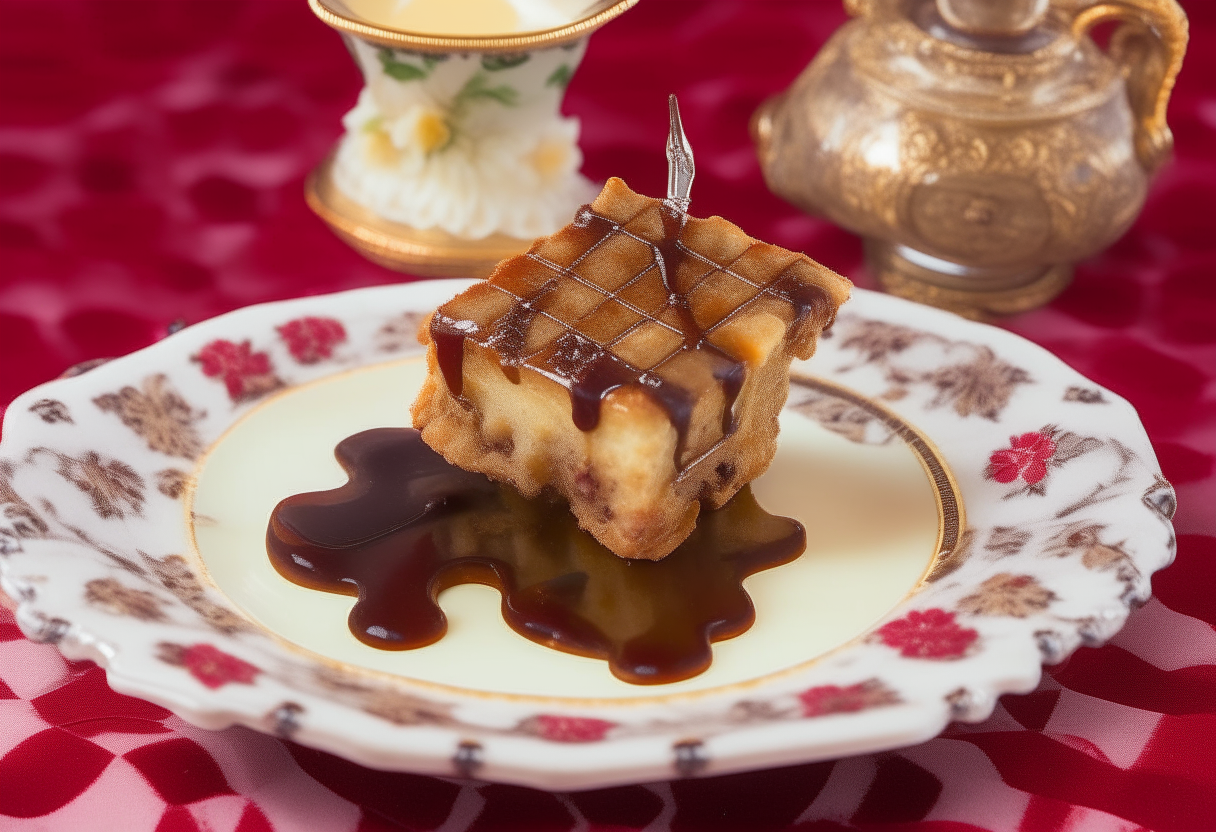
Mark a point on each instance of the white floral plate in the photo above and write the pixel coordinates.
(122, 541)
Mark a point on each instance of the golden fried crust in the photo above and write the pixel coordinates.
(634, 362)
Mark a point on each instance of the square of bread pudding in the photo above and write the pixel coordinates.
(634, 363)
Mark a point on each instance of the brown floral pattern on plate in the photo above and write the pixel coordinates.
(980, 384)
(51, 411)
(158, 414)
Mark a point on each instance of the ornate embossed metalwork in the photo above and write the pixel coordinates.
(980, 148)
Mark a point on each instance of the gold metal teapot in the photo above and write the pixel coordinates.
(979, 146)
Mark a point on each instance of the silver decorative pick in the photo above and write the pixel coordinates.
(680, 167)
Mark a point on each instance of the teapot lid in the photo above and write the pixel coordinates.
(918, 55)
(993, 18)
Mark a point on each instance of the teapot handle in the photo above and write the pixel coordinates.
(1148, 45)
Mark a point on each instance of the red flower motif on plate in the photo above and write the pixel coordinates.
(215, 668)
(312, 339)
(833, 699)
(570, 728)
(1026, 457)
(928, 634)
(246, 374)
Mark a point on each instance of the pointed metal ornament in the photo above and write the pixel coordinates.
(680, 167)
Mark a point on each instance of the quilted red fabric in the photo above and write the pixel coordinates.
(152, 154)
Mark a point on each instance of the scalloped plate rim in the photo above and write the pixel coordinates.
(531, 760)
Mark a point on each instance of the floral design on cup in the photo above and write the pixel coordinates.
(471, 144)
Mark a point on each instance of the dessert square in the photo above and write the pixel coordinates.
(633, 363)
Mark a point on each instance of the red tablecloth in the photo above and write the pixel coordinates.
(151, 163)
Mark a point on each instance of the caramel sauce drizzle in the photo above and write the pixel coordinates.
(408, 525)
(590, 371)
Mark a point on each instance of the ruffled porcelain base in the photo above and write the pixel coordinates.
(427, 252)
(524, 184)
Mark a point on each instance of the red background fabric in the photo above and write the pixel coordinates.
(152, 154)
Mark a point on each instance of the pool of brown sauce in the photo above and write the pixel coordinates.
(407, 525)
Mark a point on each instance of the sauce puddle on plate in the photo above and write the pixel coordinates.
(408, 525)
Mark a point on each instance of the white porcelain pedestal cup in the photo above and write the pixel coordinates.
(456, 154)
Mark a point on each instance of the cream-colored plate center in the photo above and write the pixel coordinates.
(869, 510)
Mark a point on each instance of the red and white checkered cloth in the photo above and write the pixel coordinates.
(151, 162)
